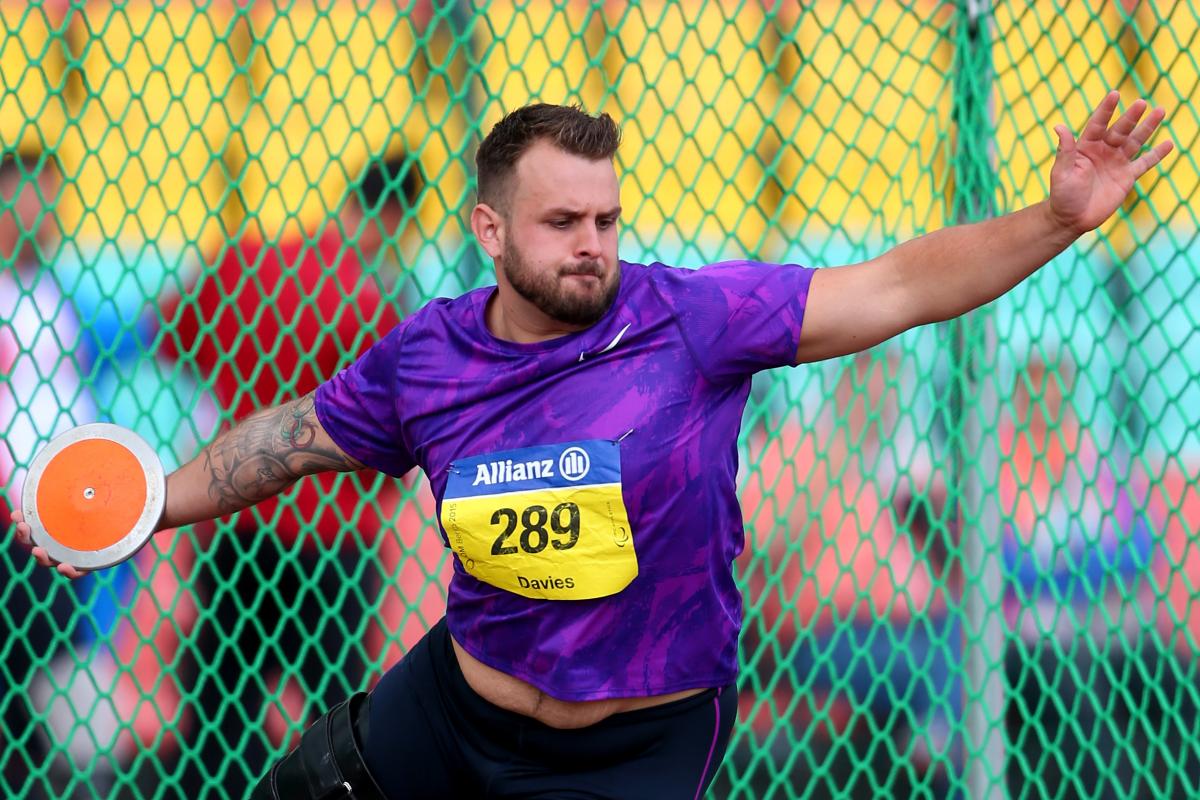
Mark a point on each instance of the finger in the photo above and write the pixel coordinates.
(1141, 134)
(42, 557)
(1125, 123)
(24, 534)
(17, 517)
(69, 571)
(1097, 124)
(1143, 164)
(1066, 139)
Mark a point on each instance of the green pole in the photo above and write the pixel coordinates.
(976, 452)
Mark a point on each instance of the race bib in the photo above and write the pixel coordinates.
(546, 522)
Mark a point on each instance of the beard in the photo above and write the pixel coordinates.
(553, 296)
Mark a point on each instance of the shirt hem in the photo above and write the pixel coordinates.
(715, 681)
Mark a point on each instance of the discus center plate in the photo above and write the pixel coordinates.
(94, 495)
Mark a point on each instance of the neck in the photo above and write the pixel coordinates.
(513, 318)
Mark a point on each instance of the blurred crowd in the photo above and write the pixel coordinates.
(294, 602)
(185, 237)
(858, 634)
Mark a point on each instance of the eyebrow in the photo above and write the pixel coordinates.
(574, 214)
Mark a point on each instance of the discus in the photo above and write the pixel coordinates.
(94, 495)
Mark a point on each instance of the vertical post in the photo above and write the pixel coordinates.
(1130, 425)
(976, 450)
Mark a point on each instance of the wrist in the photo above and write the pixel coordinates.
(1060, 230)
(165, 523)
(164, 520)
(173, 514)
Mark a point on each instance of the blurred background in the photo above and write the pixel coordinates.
(972, 563)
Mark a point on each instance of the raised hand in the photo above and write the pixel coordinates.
(1092, 177)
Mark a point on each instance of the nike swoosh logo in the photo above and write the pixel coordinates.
(610, 345)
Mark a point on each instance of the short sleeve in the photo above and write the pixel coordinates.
(360, 406)
(738, 317)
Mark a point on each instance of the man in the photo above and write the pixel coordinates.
(577, 423)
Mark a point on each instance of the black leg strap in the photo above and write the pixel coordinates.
(328, 764)
(349, 734)
(317, 759)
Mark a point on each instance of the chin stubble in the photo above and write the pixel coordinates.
(548, 293)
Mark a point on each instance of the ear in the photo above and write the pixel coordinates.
(488, 226)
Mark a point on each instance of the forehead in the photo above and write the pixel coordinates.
(547, 177)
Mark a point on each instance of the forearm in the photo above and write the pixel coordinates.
(258, 458)
(954, 270)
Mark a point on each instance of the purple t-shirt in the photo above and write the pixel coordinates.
(653, 395)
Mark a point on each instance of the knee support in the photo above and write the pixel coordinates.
(328, 763)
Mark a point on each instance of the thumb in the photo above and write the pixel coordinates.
(1066, 140)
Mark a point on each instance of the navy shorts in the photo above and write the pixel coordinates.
(432, 736)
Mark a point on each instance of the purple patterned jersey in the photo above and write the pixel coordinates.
(586, 484)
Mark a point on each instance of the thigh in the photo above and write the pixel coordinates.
(412, 749)
(687, 761)
(677, 759)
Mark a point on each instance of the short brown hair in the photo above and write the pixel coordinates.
(569, 128)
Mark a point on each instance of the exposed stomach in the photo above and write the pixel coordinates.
(513, 694)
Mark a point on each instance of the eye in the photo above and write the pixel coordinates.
(605, 224)
(560, 224)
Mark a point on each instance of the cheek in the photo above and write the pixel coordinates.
(544, 240)
(539, 248)
(610, 239)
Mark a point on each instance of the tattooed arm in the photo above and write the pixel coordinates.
(258, 458)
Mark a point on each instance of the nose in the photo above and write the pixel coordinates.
(588, 243)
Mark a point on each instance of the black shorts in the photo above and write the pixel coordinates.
(432, 736)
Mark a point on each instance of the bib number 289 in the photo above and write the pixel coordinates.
(563, 532)
(547, 522)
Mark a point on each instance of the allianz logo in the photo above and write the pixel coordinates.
(573, 464)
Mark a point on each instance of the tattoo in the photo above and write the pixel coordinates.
(268, 451)
(299, 428)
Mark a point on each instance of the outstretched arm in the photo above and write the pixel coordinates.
(259, 457)
(949, 272)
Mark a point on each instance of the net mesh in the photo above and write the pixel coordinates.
(972, 555)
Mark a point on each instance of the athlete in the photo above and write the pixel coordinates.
(577, 423)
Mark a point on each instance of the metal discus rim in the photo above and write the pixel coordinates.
(140, 533)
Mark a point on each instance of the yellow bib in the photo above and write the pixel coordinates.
(547, 522)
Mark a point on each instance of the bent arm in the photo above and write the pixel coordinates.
(933, 278)
(258, 458)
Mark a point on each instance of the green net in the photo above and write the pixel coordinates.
(972, 553)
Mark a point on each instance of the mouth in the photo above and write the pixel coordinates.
(586, 278)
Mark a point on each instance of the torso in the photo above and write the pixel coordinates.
(650, 608)
(644, 395)
(514, 694)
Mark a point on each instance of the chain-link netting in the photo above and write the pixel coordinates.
(973, 553)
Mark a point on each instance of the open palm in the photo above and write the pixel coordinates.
(1092, 177)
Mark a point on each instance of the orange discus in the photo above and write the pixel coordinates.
(94, 495)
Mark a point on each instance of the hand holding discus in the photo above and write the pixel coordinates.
(93, 497)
